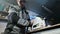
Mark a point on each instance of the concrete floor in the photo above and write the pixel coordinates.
(2, 26)
(53, 31)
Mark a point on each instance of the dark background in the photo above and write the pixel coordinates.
(52, 13)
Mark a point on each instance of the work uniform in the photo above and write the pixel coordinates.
(16, 20)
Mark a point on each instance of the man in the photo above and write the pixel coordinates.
(21, 21)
